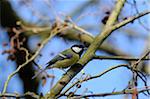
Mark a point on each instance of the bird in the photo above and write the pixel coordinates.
(64, 59)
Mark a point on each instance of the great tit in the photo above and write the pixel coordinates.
(64, 59)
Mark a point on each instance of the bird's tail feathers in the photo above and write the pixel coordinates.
(37, 74)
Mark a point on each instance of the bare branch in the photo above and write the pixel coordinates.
(33, 95)
(130, 19)
(93, 77)
(53, 33)
(129, 91)
(136, 63)
(119, 58)
(88, 54)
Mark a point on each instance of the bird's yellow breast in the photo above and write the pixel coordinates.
(67, 62)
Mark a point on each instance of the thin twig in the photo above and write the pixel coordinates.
(130, 19)
(129, 91)
(140, 22)
(136, 63)
(25, 63)
(93, 77)
(119, 58)
(53, 33)
(136, 73)
(74, 26)
(26, 51)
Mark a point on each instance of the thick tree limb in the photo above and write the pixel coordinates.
(82, 36)
(88, 54)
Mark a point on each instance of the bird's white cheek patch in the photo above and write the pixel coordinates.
(76, 49)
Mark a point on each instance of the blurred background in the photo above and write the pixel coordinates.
(130, 40)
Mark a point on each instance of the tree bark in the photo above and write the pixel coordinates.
(8, 20)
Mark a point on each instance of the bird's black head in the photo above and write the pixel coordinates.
(78, 49)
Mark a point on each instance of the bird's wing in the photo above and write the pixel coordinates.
(59, 57)
(55, 59)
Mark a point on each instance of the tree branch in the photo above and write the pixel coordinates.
(53, 33)
(119, 58)
(93, 77)
(33, 95)
(130, 19)
(129, 91)
(75, 69)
